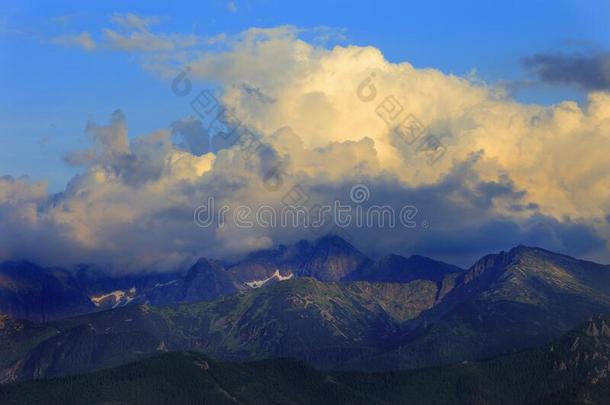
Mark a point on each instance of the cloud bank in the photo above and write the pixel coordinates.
(590, 71)
(511, 173)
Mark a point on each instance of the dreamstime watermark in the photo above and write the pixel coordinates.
(298, 207)
(219, 121)
(318, 216)
(404, 125)
(225, 126)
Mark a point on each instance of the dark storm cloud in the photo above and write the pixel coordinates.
(459, 221)
(195, 138)
(587, 71)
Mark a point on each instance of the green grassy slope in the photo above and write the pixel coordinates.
(572, 370)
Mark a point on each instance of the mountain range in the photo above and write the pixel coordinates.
(30, 292)
(25, 286)
(323, 303)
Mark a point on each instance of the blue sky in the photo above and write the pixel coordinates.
(49, 91)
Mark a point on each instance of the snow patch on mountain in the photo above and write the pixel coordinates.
(275, 276)
(158, 285)
(115, 298)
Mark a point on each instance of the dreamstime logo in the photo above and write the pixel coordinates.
(313, 217)
(359, 194)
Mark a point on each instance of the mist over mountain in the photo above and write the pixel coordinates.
(329, 258)
(30, 292)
